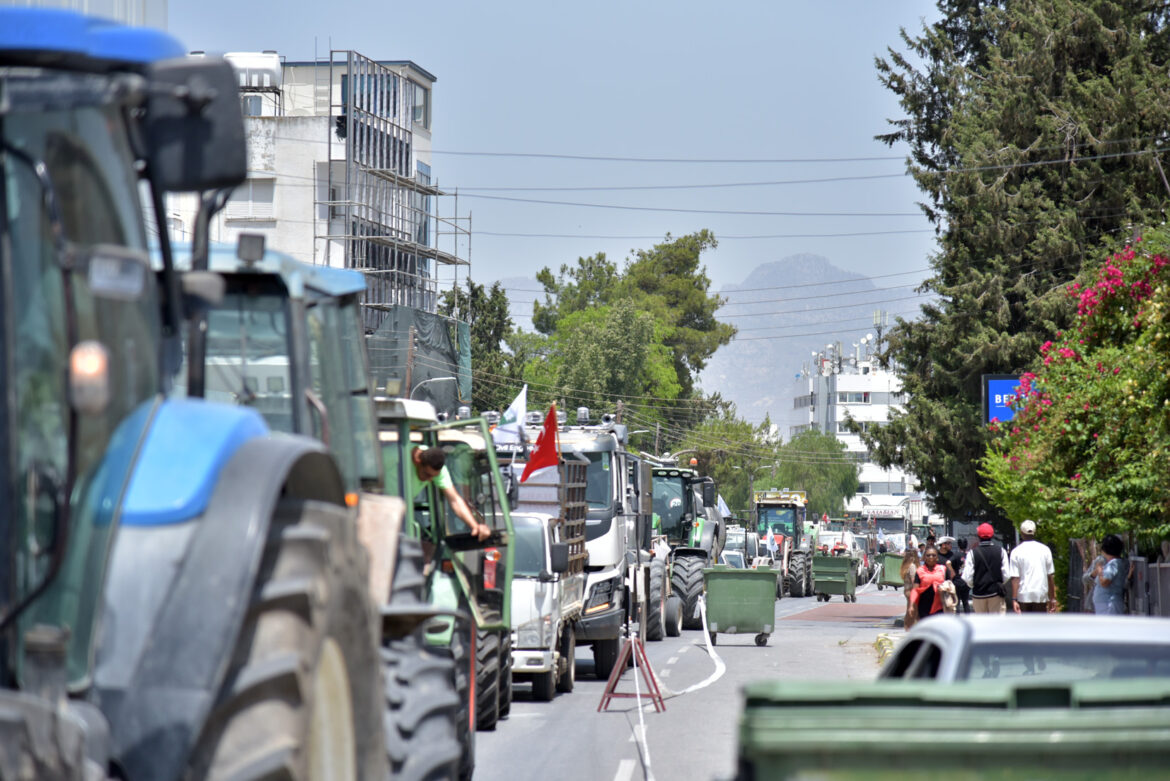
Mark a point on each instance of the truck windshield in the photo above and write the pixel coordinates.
(528, 555)
(670, 503)
(599, 479)
(71, 124)
(780, 520)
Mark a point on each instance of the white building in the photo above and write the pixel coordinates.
(837, 386)
(339, 174)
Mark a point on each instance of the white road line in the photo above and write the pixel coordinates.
(672, 660)
(625, 770)
(684, 649)
(637, 734)
(664, 674)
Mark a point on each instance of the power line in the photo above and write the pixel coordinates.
(672, 210)
(712, 186)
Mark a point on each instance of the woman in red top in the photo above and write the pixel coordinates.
(925, 599)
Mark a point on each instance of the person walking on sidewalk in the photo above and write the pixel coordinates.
(985, 570)
(1107, 575)
(1032, 573)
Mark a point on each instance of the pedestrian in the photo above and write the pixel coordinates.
(962, 590)
(985, 570)
(1033, 574)
(926, 597)
(948, 557)
(1108, 578)
(908, 571)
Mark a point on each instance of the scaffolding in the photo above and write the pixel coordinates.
(382, 210)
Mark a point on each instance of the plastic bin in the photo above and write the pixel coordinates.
(740, 601)
(972, 730)
(834, 575)
(891, 570)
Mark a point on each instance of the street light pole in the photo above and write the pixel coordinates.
(432, 379)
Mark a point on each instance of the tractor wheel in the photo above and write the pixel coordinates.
(421, 702)
(461, 653)
(568, 673)
(505, 673)
(302, 695)
(655, 601)
(687, 582)
(673, 616)
(421, 708)
(487, 679)
(605, 654)
(796, 576)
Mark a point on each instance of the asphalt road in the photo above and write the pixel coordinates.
(695, 738)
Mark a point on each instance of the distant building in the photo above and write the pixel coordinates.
(340, 174)
(836, 387)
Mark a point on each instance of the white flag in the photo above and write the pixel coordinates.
(772, 546)
(510, 430)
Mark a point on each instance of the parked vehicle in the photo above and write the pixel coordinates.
(1073, 646)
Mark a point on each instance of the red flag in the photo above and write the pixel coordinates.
(547, 453)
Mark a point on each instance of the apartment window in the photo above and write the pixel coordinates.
(421, 104)
(252, 105)
(252, 200)
(853, 397)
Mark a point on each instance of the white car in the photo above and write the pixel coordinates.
(1066, 646)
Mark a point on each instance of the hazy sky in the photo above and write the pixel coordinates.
(761, 81)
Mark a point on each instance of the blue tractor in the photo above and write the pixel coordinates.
(182, 594)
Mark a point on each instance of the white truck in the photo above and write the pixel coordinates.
(548, 575)
(546, 604)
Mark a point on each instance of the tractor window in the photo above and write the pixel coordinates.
(91, 174)
(670, 503)
(780, 520)
(247, 360)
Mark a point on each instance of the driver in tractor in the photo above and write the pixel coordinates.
(430, 465)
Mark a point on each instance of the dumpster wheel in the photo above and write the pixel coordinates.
(762, 639)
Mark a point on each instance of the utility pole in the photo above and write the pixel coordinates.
(657, 434)
(620, 408)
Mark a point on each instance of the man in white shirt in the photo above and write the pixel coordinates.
(1032, 573)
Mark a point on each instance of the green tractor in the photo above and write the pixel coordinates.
(687, 518)
(467, 581)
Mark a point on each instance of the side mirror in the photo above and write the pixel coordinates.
(558, 555)
(709, 494)
(194, 127)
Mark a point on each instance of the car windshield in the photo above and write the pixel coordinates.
(780, 520)
(528, 546)
(599, 483)
(1066, 661)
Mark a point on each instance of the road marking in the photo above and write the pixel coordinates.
(625, 770)
(684, 649)
(672, 660)
(638, 734)
(664, 674)
(524, 715)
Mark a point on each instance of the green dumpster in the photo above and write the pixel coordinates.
(834, 575)
(918, 730)
(891, 564)
(740, 601)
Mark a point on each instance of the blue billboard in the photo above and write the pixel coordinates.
(999, 390)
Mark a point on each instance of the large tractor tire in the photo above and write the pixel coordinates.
(421, 702)
(687, 583)
(796, 576)
(505, 674)
(673, 616)
(463, 659)
(302, 695)
(656, 601)
(487, 679)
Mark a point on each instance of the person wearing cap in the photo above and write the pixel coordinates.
(1032, 573)
(985, 570)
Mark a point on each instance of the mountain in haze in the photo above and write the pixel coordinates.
(785, 311)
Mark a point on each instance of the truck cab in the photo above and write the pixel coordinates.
(547, 598)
